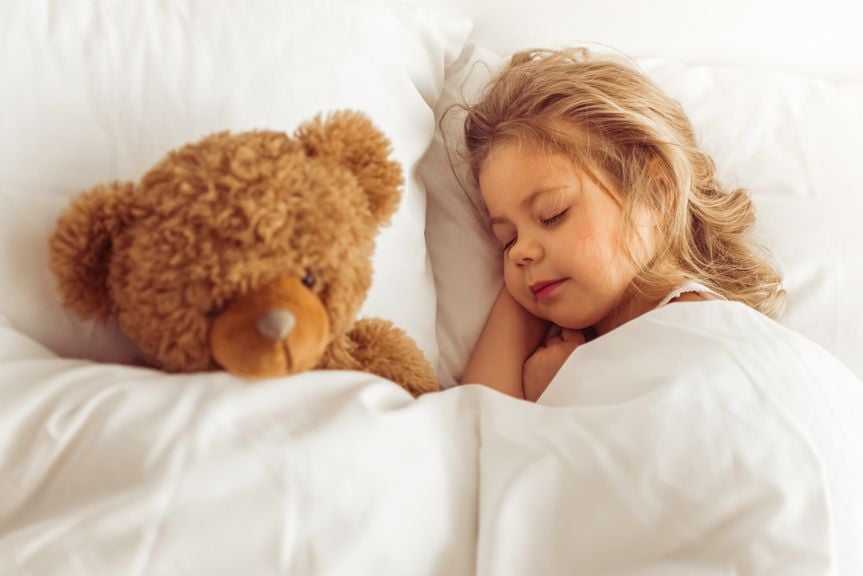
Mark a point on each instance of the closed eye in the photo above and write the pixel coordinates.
(554, 219)
(544, 221)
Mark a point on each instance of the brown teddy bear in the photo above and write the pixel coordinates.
(249, 252)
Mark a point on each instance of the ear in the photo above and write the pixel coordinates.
(351, 139)
(81, 247)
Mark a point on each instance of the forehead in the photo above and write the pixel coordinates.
(513, 172)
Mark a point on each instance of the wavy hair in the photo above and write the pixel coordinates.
(604, 114)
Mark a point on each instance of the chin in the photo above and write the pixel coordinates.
(570, 322)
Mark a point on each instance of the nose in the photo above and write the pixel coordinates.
(276, 324)
(525, 250)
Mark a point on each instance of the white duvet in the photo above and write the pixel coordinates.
(697, 439)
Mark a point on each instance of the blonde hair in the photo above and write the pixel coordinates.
(604, 114)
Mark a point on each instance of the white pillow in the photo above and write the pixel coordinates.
(793, 141)
(465, 260)
(792, 35)
(97, 92)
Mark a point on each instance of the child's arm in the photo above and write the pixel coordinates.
(510, 336)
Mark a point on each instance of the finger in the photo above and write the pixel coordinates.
(560, 351)
(569, 335)
(553, 340)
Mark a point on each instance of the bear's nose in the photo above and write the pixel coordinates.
(276, 324)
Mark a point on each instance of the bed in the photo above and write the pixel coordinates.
(636, 468)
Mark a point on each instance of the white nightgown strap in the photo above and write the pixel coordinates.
(690, 286)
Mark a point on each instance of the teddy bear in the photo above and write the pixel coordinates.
(249, 252)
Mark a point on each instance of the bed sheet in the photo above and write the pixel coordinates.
(663, 465)
(110, 469)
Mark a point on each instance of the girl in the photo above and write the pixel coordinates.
(604, 208)
(706, 420)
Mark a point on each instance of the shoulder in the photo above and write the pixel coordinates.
(694, 297)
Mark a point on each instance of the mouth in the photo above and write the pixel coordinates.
(543, 290)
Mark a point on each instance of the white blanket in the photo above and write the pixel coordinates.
(697, 439)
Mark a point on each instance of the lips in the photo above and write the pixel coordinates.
(544, 289)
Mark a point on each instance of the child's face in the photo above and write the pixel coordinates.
(558, 229)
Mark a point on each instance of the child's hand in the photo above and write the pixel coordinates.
(543, 364)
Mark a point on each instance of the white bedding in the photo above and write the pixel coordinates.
(110, 470)
(689, 457)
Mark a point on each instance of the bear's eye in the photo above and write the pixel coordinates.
(309, 280)
(213, 311)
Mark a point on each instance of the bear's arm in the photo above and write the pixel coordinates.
(377, 346)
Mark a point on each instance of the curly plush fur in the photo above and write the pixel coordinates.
(225, 229)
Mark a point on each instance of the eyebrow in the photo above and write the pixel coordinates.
(529, 200)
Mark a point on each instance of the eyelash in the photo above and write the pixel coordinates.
(554, 219)
(545, 222)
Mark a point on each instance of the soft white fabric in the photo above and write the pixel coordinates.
(465, 260)
(794, 142)
(730, 442)
(98, 91)
(106, 469)
(112, 470)
(729, 446)
(817, 38)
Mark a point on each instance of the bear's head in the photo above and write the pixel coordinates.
(248, 251)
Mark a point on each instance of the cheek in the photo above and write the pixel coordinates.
(515, 283)
(598, 261)
(588, 248)
(511, 276)
(602, 238)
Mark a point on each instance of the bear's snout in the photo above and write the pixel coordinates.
(277, 329)
(276, 324)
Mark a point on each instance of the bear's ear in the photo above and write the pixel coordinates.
(81, 247)
(354, 142)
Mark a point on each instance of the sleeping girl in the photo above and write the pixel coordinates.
(635, 300)
(604, 208)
